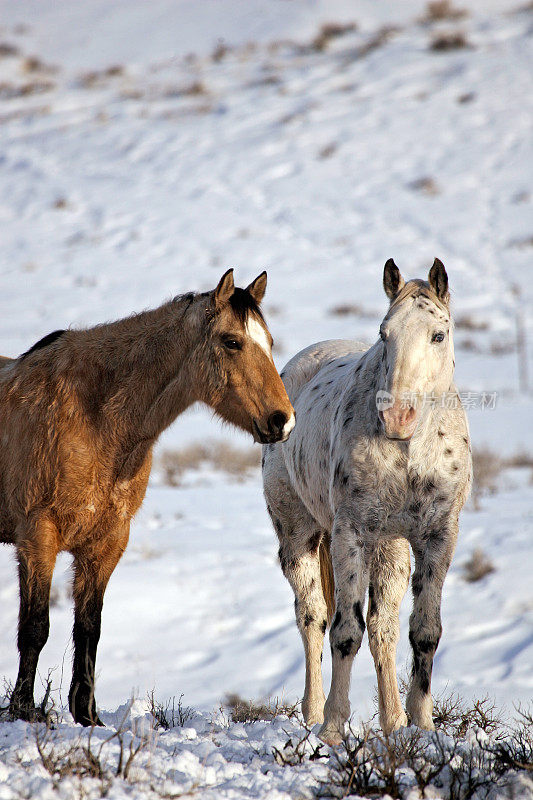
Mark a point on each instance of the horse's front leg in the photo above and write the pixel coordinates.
(351, 558)
(433, 555)
(37, 547)
(93, 567)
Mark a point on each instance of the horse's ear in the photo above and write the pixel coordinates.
(258, 287)
(225, 289)
(438, 280)
(392, 279)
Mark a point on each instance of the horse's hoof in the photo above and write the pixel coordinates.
(28, 713)
(313, 713)
(331, 735)
(425, 725)
(89, 720)
(400, 722)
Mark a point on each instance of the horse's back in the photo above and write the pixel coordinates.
(307, 363)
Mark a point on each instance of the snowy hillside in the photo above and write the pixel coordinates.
(145, 148)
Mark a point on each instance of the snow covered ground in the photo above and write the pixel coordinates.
(131, 171)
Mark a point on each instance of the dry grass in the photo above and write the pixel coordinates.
(218, 455)
(449, 40)
(440, 10)
(330, 31)
(250, 711)
(477, 567)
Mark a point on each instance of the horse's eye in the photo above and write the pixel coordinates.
(382, 334)
(438, 337)
(231, 344)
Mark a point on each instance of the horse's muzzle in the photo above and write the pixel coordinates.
(279, 427)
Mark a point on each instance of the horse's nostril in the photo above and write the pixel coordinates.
(410, 415)
(276, 421)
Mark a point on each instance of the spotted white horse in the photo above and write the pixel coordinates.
(379, 460)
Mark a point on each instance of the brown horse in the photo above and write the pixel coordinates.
(79, 414)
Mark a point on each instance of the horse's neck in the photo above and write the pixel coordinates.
(146, 363)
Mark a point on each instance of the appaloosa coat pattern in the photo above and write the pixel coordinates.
(357, 484)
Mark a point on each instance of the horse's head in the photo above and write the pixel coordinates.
(248, 390)
(418, 358)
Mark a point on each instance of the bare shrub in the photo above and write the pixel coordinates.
(44, 712)
(220, 52)
(468, 345)
(477, 567)
(351, 309)
(221, 456)
(524, 9)
(450, 40)
(34, 64)
(10, 91)
(377, 40)
(330, 31)
(328, 150)
(250, 711)
(97, 77)
(515, 753)
(469, 322)
(520, 460)
(371, 764)
(487, 467)
(83, 759)
(171, 714)
(194, 89)
(439, 10)
(8, 50)
(466, 97)
(297, 750)
(426, 184)
(502, 348)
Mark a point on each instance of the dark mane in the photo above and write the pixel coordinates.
(243, 304)
(44, 342)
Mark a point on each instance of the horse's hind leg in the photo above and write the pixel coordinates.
(37, 548)
(389, 579)
(299, 541)
(93, 567)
